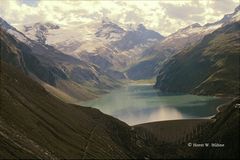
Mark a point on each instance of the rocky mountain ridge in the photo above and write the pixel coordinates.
(182, 39)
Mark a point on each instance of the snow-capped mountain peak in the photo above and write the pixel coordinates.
(109, 30)
(192, 34)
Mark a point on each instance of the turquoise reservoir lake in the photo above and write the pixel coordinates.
(135, 104)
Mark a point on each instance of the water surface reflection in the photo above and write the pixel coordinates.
(136, 104)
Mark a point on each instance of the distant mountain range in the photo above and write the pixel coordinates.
(63, 75)
(96, 54)
(104, 44)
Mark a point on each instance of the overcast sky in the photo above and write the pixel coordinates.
(164, 16)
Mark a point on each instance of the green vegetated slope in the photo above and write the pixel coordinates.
(34, 124)
(210, 68)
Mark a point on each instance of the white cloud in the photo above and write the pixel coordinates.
(163, 16)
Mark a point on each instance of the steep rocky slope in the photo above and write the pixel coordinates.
(210, 68)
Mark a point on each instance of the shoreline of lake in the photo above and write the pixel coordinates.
(140, 103)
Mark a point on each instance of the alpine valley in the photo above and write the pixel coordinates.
(102, 90)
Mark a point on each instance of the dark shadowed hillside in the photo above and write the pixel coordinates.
(210, 68)
(224, 130)
(174, 136)
(34, 124)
